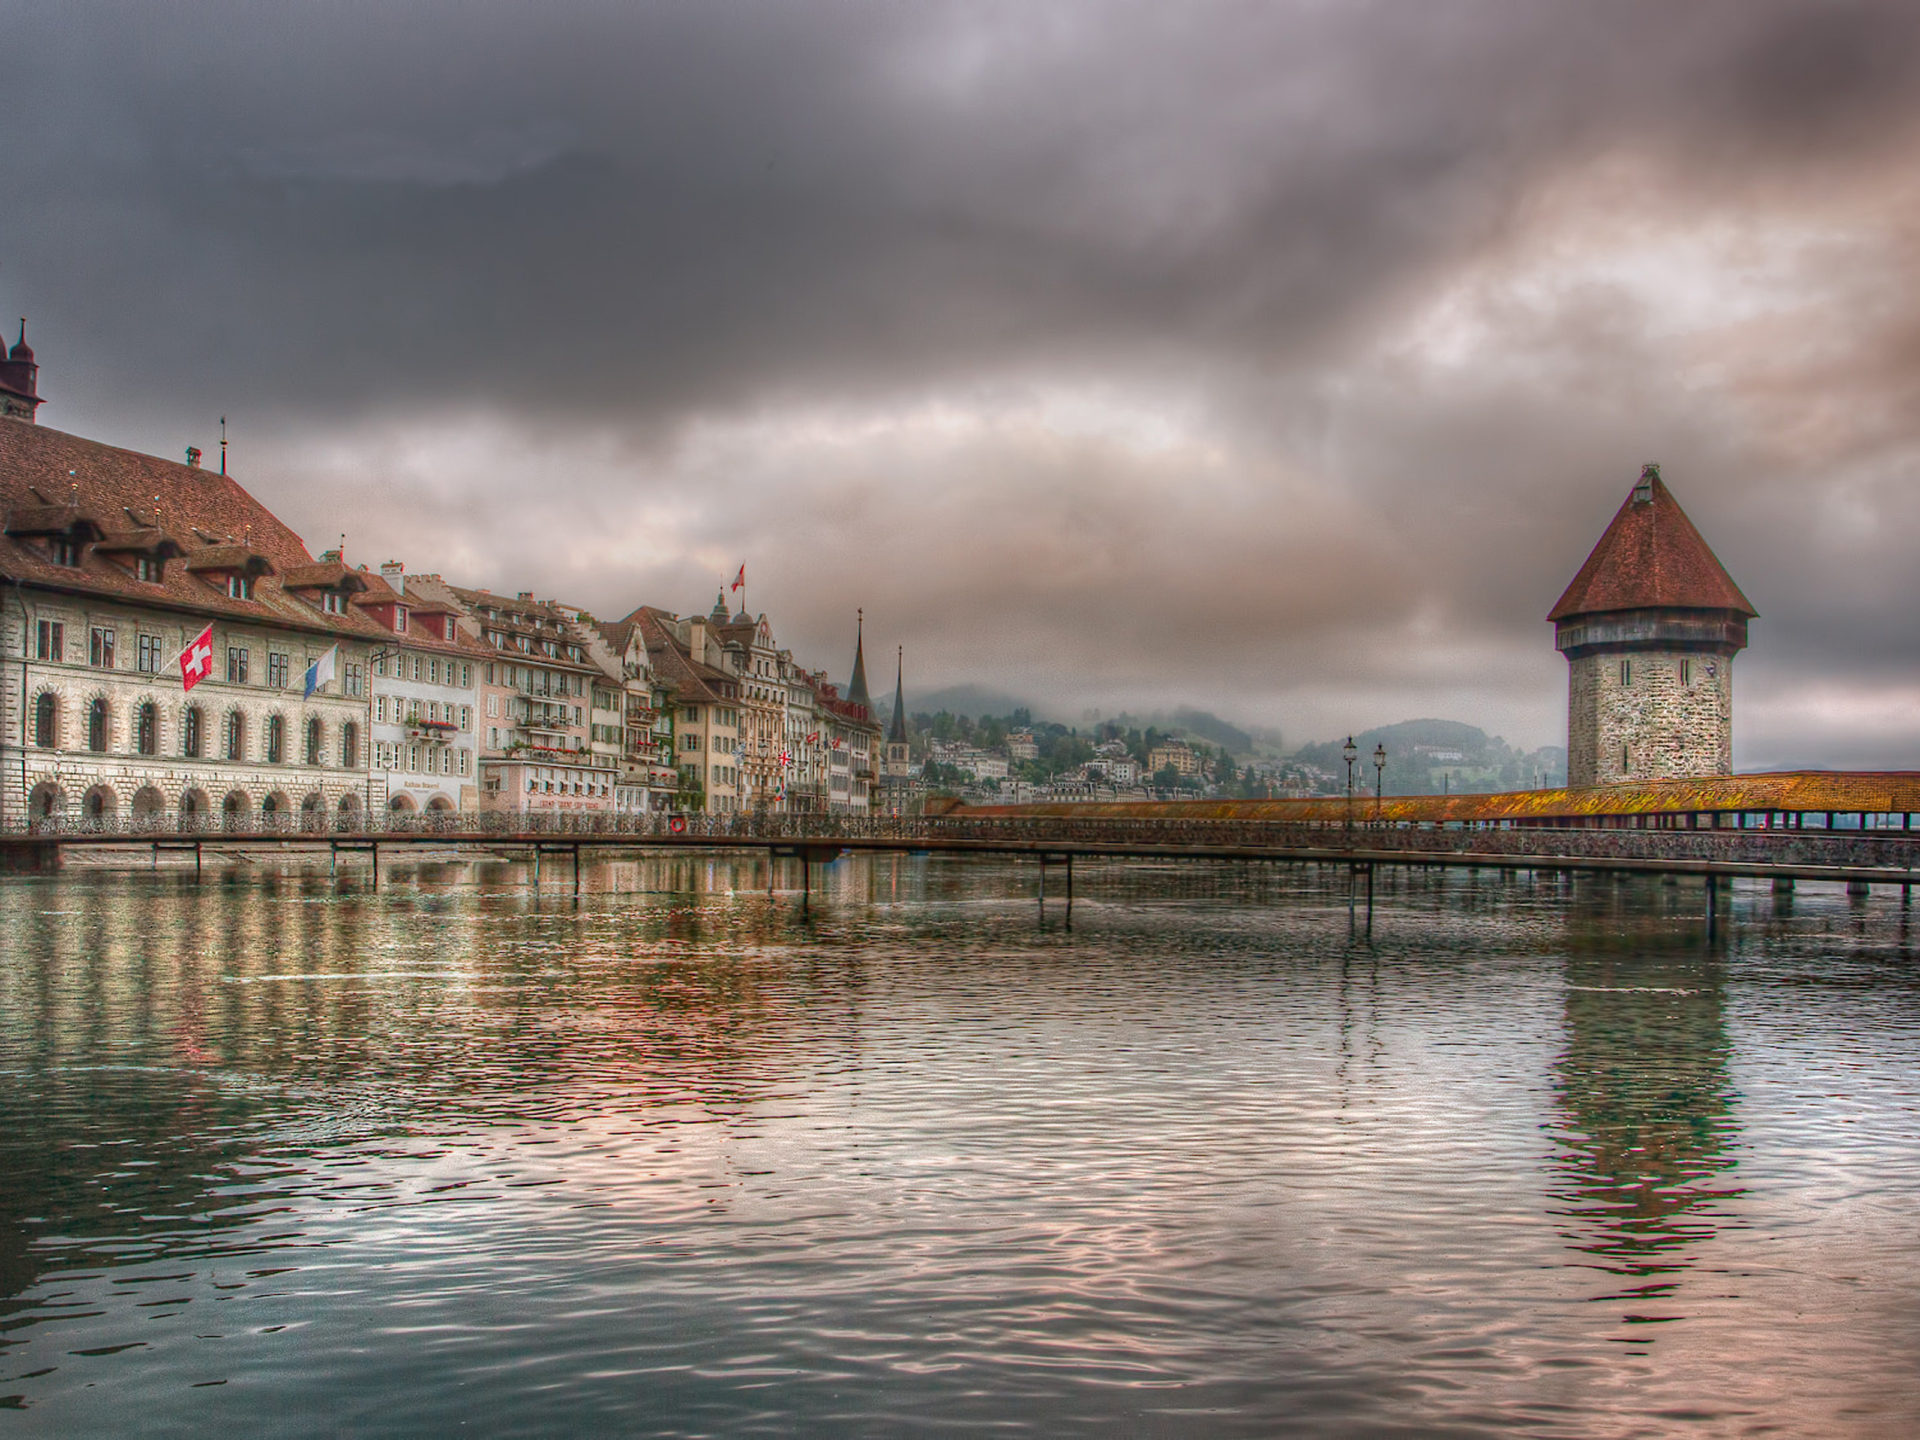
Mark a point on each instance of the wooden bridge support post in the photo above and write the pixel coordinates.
(576, 872)
(1069, 890)
(536, 868)
(1369, 899)
(806, 882)
(196, 859)
(375, 852)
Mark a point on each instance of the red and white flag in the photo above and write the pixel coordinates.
(814, 738)
(196, 661)
(740, 579)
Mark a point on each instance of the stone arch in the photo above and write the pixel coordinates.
(46, 720)
(316, 742)
(233, 736)
(236, 803)
(276, 739)
(401, 804)
(276, 803)
(350, 745)
(48, 801)
(148, 801)
(314, 803)
(194, 802)
(349, 803)
(100, 802)
(99, 725)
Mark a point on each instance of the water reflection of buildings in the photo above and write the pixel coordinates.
(1645, 1122)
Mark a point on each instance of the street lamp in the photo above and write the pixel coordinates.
(1379, 776)
(1350, 750)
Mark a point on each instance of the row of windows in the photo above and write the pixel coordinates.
(150, 657)
(537, 682)
(194, 739)
(428, 669)
(416, 709)
(422, 759)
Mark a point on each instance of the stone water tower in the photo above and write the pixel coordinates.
(1650, 627)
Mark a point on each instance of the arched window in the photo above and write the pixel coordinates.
(46, 720)
(350, 745)
(146, 728)
(192, 741)
(313, 741)
(276, 739)
(97, 726)
(236, 735)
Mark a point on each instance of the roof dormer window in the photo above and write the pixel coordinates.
(239, 585)
(149, 569)
(64, 550)
(332, 602)
(399, 619)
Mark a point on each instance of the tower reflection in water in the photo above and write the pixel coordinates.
(1645, 1103)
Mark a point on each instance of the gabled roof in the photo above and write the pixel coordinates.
(1651, 558)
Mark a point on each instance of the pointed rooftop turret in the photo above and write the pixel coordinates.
(19, 379)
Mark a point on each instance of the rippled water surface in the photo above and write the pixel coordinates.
(279, 1155)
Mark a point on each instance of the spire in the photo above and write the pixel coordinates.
(857, 686)
(897, 731)
(719, 613)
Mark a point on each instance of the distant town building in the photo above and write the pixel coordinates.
(1176, 753)
(1650, 626)
(1022, 746)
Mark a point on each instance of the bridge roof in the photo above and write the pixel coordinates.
(1809, 791)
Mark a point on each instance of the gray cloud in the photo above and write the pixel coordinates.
(1283, 359)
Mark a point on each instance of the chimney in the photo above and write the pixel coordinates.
(395, 574)
(193, 457)
(330, 557)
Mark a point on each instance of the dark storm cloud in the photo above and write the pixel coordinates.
(1285, 358)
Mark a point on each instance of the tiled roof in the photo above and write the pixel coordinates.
(202, 510)
(1650, 558)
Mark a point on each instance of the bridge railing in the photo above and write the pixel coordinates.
(1791, 847)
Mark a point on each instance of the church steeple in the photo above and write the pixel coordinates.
(857, 686)
(897, 731)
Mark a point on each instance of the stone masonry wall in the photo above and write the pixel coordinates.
(1652, 722)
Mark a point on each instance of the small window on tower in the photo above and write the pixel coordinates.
(1625, 764)
(1686, 672)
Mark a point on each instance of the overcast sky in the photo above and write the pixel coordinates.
(1280, 359)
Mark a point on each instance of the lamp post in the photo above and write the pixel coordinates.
(1379, 776)
(1350, 750)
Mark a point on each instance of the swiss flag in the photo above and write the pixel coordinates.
(739, 579)
(196, 661)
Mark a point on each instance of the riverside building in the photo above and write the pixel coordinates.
(426, 700)
(118, 562)
(537, 755)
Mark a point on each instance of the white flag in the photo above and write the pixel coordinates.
(321, 671)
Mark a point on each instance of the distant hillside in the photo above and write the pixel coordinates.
(1429, 757)
(1195, 724)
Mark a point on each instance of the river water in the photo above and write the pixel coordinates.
(283, 1156)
